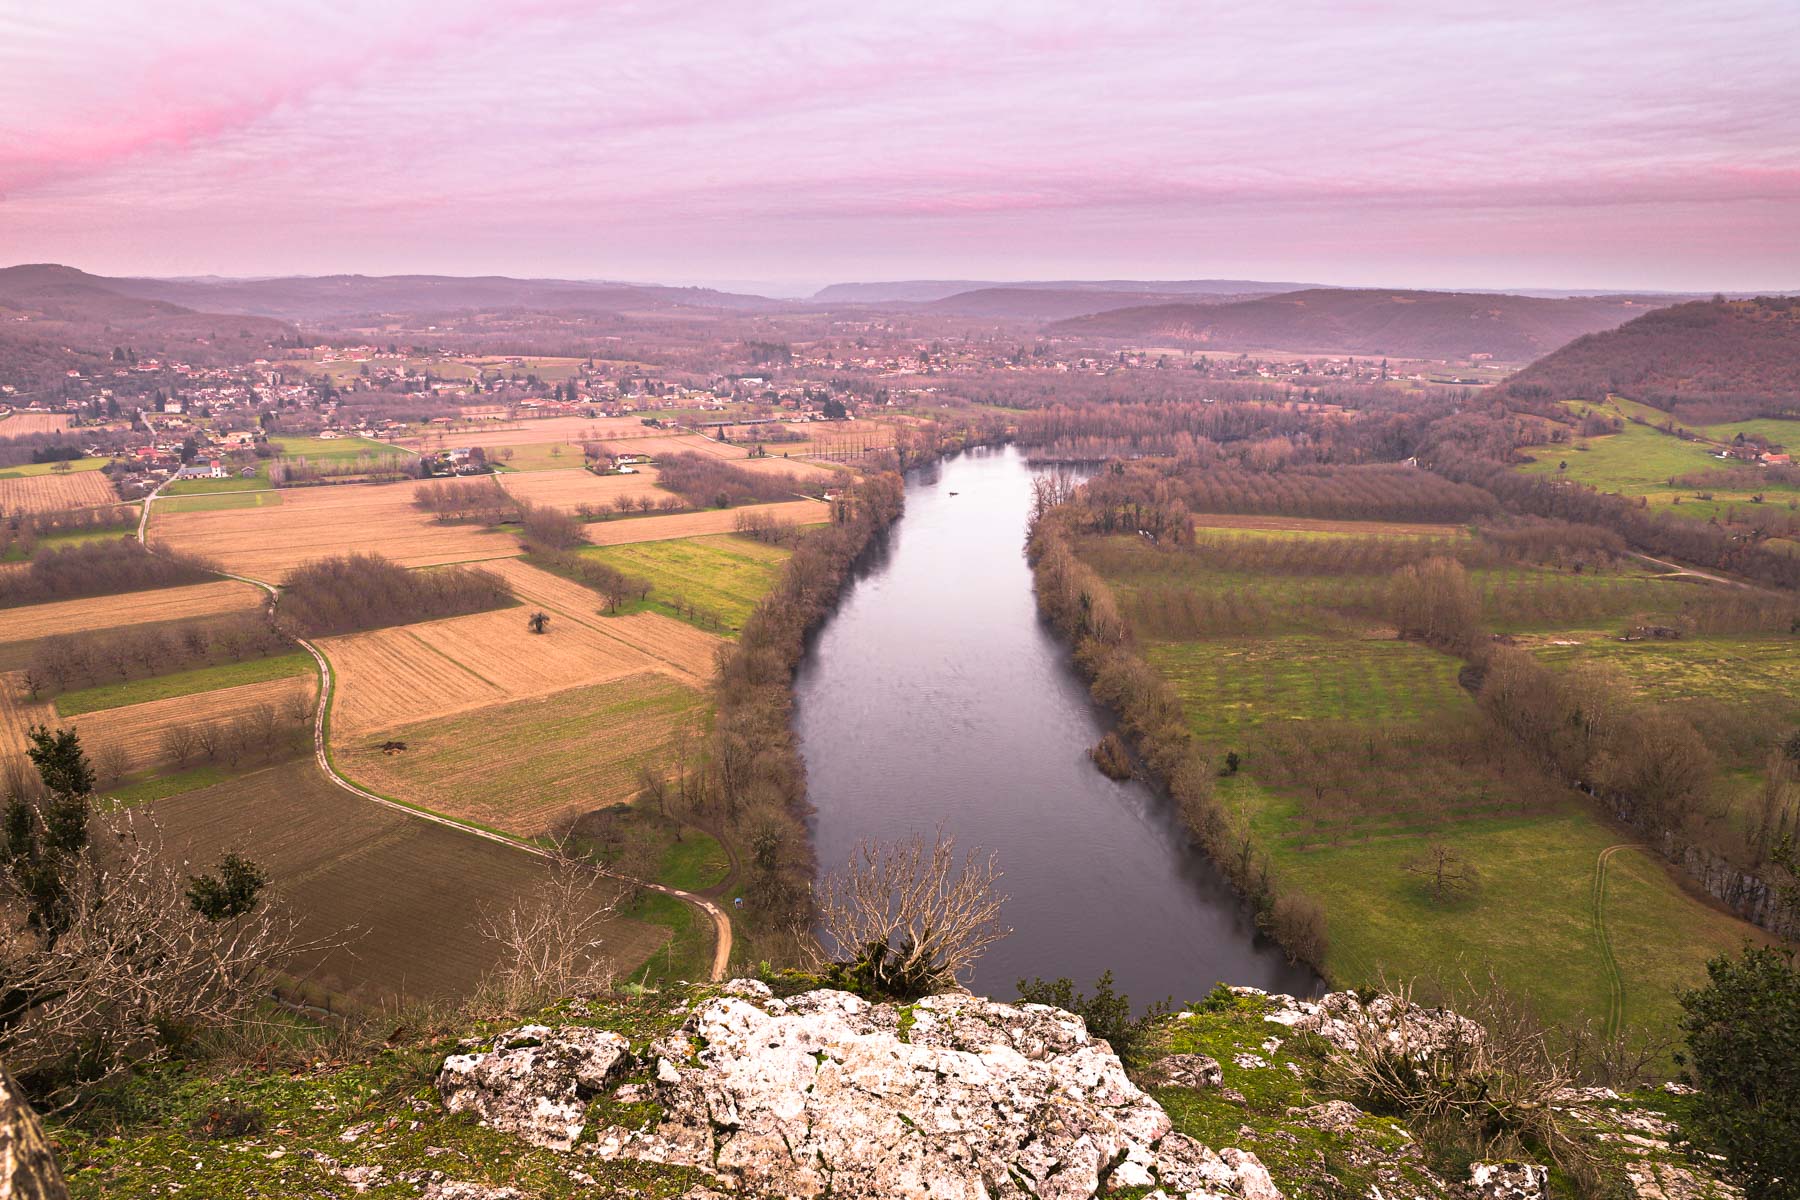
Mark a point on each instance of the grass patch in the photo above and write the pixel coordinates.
(208, 487)
(723, 574)
(262, 497)
(688, 954)
(183, 683)
(161, 787)
(315, 449)
(1231, 685)
(58, 541)
(695, 863)
(29, 470)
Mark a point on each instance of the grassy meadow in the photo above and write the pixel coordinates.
(722, 575)
(1359, 750)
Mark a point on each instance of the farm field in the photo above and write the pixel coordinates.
(232, 484)
(687, 652)
(217, 501)
(33, 621)
(316, 449)
(183, 683)
(565, 489)
(565, 430)
(539, 456)
(530, 766)
(317, 522)
(686, 525)
(1305, 525)
(725, 575)
(27, 470)
(657, 442)
(435, 669)
(50, 492)
(21, 424)
(139, 728)
(402, 898)
(1319, 676)
(1233, 685)
(1762, 670)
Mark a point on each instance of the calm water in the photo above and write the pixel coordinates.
(935, 694)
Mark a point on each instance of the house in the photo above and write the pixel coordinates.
(213, 469)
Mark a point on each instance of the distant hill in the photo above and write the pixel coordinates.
(55, 318)
(1396, 324)
(1053, 304)
(314, 298)
(925, 291)
(1711, 360)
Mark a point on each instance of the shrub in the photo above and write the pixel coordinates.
(1743, 1037)
(1298, 923)
(1107, 1013)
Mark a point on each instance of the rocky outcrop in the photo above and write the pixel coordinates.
(27, 1168)
(955, 1096)
(535, 1081)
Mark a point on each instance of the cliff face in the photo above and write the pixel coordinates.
(733, 1092)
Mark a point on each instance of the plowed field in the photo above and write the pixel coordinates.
(683, 525)
(52, 492)
(34, 621)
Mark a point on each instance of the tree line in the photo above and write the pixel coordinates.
(354, 592)
(100, 568)
(707, 481)
(1080, 605)
(64, 662)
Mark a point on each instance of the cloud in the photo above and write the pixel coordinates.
(556, 127)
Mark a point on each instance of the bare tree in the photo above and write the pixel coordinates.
(178, 743)
(911, 916)
(1446, 872)
(137, 970)
(551, 940)
(112, 762)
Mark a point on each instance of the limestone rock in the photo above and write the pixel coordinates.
(827, 1093)
(27, 1167)
(1344, 1020)
(1509, 1180)
(535, 1081)
(1186, 1070)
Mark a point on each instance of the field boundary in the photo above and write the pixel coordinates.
(322, 755)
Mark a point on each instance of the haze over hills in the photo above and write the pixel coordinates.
(1055, 304)
(1407, 324)
(302, 298)
(924, 291)
(1742, 355)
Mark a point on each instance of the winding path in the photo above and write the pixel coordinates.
(327, 680)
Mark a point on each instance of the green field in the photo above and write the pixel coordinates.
(1234, 684)
(264, 497)
(538, 456)
(1531, 919)
(315, 449)
(30, 469)
(183, 683)
(1640, 460)
(59, 541)
(723, 574)
(1761, 670)
(1315, 653)
(207, 487)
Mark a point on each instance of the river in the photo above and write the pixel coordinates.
(936, 695)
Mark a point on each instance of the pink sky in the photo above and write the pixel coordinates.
(1592, 144)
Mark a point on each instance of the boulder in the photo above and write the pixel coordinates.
(27, 1167)
(535, 1081)
(1509, 1181)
